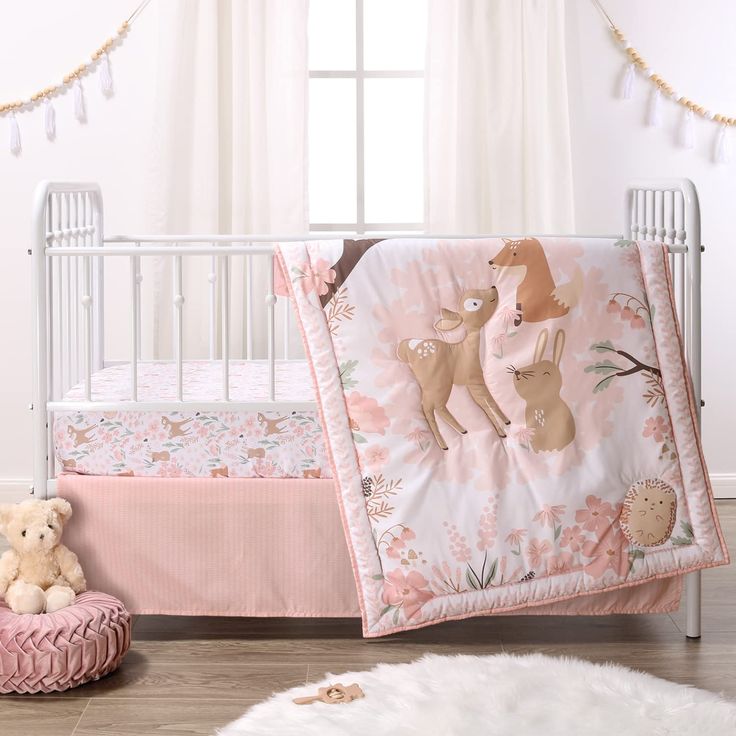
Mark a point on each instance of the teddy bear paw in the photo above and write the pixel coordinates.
(58, 597)
(25, 598)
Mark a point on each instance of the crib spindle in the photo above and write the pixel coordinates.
(271, 314)
(225, 292)
(212, 279)
(135, 329)
(178, 303)
(86, 302)
(249, 306)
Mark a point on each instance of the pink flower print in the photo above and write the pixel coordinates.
(595, 517)
(394, 548)
(656, 427)
(549, 515)
(627, 313)
(613, 307)
(406, 591)
(572, 537)
(508, 316)
(537, 550)
(365, 414)
(610, 552)
(458, 544)
(560, 563)
(497, 342)
(515, 537)
(524, 435)
(637, 322)
(407, 534)
(316, 277)
(266, 469)
(376, 456)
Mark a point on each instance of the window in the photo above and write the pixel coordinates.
(366, 108)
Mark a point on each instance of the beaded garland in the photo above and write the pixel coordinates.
(99, 60)
(664, 88)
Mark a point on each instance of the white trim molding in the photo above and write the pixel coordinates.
(724, 485)
(13, 490)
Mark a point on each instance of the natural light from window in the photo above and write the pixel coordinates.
(366, 110)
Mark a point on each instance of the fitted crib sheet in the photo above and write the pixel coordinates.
(194, 443)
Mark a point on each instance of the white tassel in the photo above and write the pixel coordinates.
(105, 76)
(49, 119)
(627, 86)
(79, 111)
(654, 116)
(723, 146)
(15, 145)
(687, 131)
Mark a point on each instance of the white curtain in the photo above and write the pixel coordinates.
(229, 148)
(497, 130)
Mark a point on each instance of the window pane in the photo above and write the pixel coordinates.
(395, 32)
(332, 35)
(394, 167)
(332, 153)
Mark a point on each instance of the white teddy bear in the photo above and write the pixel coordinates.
(39, 573)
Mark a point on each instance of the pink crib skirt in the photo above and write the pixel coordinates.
(244, 547)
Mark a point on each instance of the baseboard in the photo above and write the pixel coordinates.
(724, 485)
(12, 490)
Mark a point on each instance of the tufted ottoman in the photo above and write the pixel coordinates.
(49, 652)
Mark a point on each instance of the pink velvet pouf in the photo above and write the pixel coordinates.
(50, 652)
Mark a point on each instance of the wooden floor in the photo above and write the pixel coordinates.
(191, 675)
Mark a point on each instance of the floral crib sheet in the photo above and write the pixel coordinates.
(192, 443)
(510, 422)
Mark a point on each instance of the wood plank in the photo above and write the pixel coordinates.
(39, 716)
(107, 717)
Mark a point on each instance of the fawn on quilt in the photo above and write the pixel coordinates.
(510, 421)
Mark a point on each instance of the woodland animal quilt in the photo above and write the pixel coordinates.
(510, 421)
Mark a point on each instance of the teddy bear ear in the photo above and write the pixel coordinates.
(62, 507)
(5, 512)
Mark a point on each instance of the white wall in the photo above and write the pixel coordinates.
(690, 45)
(41, 41)
(686, 42)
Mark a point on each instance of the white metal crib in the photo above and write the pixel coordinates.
(68, 296)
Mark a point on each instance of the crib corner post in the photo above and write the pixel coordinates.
(693, 605)
(40, 345)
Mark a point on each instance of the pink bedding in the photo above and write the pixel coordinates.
(517, 425)
(245, 547)
(190, 443)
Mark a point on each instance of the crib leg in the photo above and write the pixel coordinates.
(692, 605)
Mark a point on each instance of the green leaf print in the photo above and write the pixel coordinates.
(603, 385)
(623, 243)
(603, 347)
(605, 366)
(346, 374)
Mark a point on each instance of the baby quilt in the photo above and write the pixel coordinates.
(510, 421)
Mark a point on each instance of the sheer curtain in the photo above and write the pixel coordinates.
(497, 129)
(229, 150)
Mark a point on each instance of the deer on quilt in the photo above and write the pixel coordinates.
(438, 365)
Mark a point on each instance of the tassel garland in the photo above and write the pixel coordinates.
(79, 111)
(687, 131)
(49, 119)
(654, 114)
(723, 146)
(15, 145)
(105, 76)
(99, 60)
(627, 86)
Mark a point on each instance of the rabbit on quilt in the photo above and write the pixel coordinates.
(539, 384)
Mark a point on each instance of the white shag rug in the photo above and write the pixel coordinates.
(500, 695)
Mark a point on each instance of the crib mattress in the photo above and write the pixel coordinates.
(194, 443)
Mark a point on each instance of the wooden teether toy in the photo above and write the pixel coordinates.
(333, 694)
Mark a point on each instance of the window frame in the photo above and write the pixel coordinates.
(360, 74)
